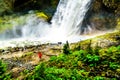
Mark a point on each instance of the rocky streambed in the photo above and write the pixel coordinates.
(26, 58)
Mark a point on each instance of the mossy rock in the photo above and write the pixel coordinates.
(118, 24)
(103, 41)
(8, 22)
(42, 15)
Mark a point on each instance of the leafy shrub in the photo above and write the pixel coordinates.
(112, 49)
(25, 72)
(38, 73)
(65, 74)
(92, 59)
(53, 58)
(3, 69)
(113, 65)
(99, 78)
(61, 57)
(118, 48)
(51, 77)
(79, 53)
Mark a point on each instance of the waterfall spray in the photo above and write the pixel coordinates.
(65, 25)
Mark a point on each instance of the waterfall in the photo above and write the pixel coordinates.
(65, 25)
(69, 16)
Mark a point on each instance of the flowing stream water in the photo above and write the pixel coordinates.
(66, 24)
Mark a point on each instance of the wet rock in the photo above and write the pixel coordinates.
(117, 37)
(2, 50)
(21, 49)
(6, 52)
(59, 43)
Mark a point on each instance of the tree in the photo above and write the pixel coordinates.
(66, 48)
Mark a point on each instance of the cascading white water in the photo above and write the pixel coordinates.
(68, 19)
(65, 24)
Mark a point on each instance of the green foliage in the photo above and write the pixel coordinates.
(79, 53)
(66, 48)
(113, 65)
(2, 67)
(8, 22)
(77, 47)
(53, 73)
(112, 53)
(61, 57)
(96, 49)
(27, 54)
(92, 59)
(53, 58)
(25, 72)
(99, 78)
(80, 65)
(112, 49)
(38, 73)
(3, 70)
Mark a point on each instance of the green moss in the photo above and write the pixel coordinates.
(6, 6)
(4, 75)
(118, 24)
(102, 41)
(27, 54)
(7, 22)
(42, 15)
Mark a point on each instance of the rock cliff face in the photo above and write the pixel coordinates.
(108, 5)
(19, 5)
(34, 4)
(111, 5)
(11, 6)
(103, 14)
(6, 6)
